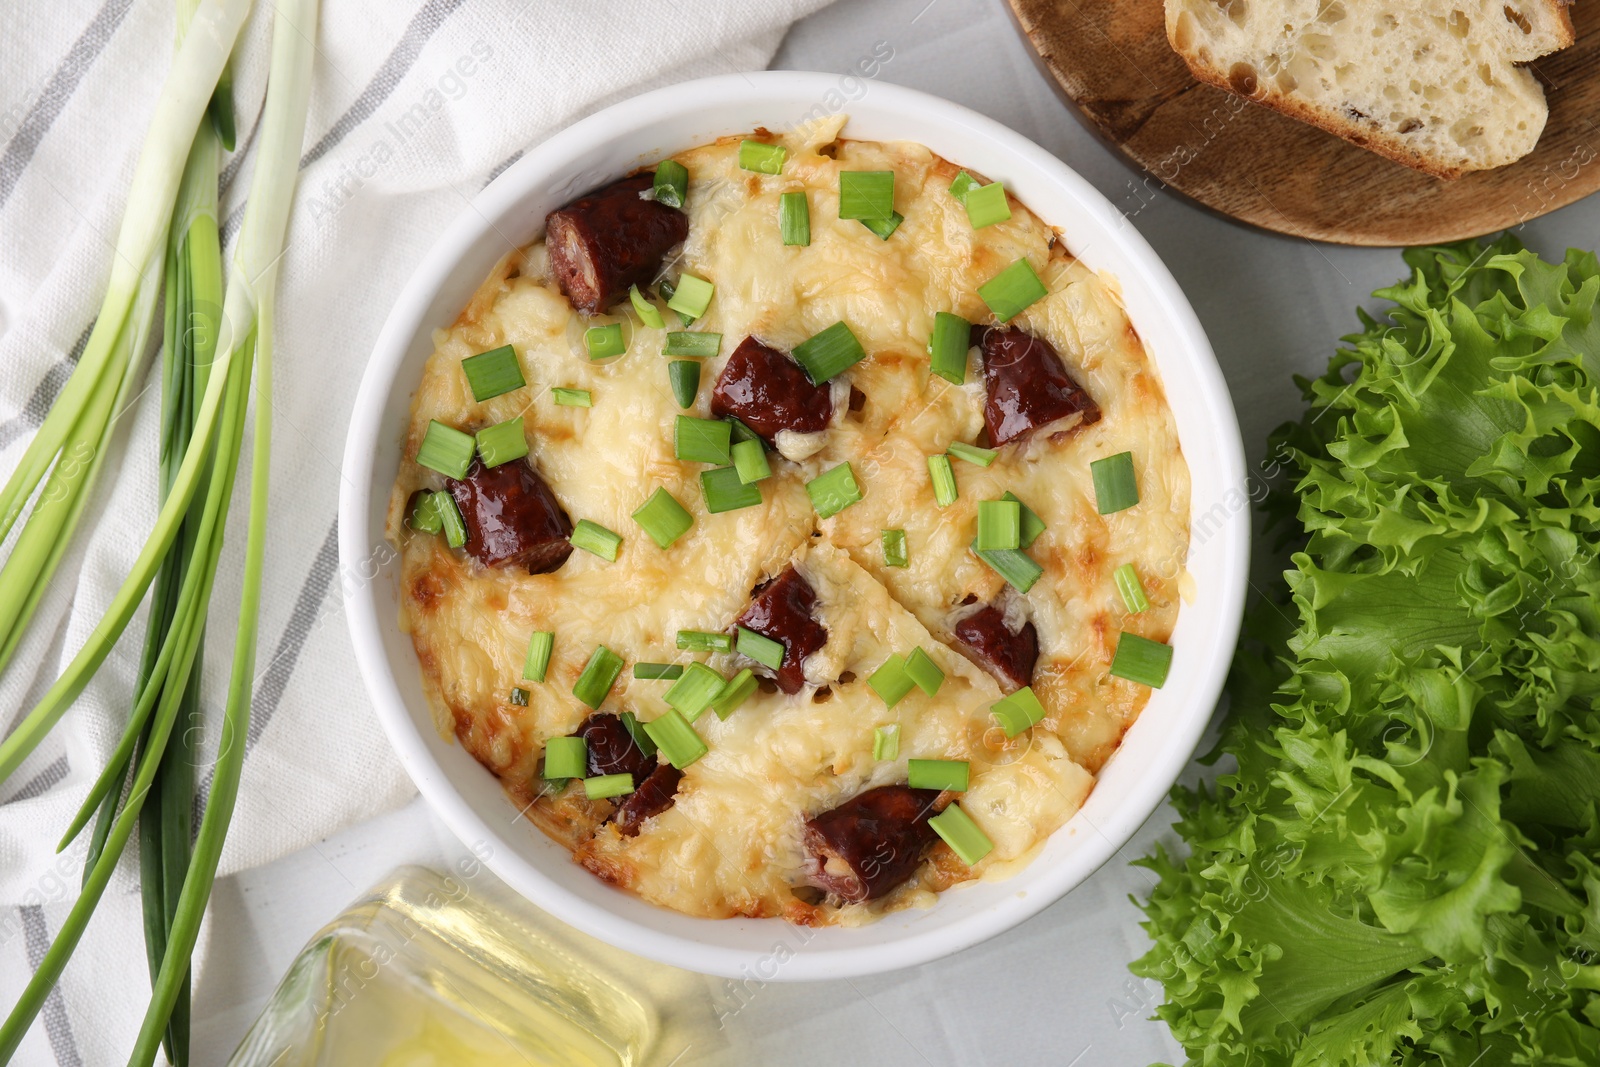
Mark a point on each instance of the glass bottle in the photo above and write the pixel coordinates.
(437, 969)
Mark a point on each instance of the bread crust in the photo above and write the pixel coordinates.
(1558, 11)
(1373, 140)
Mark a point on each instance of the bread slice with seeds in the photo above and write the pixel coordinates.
(1438, 85)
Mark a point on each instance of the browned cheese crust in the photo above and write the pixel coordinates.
(733, 840)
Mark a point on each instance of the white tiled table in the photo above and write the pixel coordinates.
(1056, 990)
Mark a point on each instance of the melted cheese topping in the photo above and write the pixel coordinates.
(731, 843)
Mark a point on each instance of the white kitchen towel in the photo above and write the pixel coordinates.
(416, 104)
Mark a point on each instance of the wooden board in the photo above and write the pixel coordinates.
(1111, 59)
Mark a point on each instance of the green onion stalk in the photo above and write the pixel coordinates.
(194, 297)
(137, 265)
(194, 291)
(255, 270)
(207, 371)
(68, 451)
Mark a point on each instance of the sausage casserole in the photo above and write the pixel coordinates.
(794, 531)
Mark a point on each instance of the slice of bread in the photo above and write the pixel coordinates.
(1433, 84)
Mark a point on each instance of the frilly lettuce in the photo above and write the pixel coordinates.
(1401, 865)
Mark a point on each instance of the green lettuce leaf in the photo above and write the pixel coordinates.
(1399, 862)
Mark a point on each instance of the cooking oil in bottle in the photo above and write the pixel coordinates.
(425, 971)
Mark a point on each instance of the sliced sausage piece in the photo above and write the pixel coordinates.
(984, 638)
(612, 749)
(602, 243)
(653, 796)
(872, 842)
(512, 517)
(1028, 387)
(769, 392)
(781, 609)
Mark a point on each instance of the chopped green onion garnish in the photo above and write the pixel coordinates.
(672, 183)
(866, 194)
(741, 432)
(761, 158)
(1132, 590)
(684, 377)
(794, 219)
(603, 342)
(1115, 488)
(691, 296)
(491, 373)
(455, 527)
(682, 343)
(999, 524)
(1013, 290)
(735, 693)
(701, 440)
(986, 205)
(1142, 660)
(921, 669)
(676, 739)
(606, 786)
(941, 774)
(944, 480)
(886, 742)
(964, 183)
(764, 650)
(502, 442)
(635, 728)
(884, 227)
(651, 671)
(829, 353)
(649, 314)
(833, 490)
(566, 757)
(704, 641)
(537, 664)
(1018, 711)
(947, 347)
(972, 453)
(894, 549)
(695, 691)
(1012, 564)
(446, 450)
(598, 676)
(592, 537)
(890, 681)
(724, 491)
(961, 834)
(425, 517)
(663, 518)
(519, 696)
(750, 460)
(664, 289)
(572, 398)
(1032, 524)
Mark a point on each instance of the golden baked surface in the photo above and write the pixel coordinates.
(732, 844)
